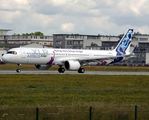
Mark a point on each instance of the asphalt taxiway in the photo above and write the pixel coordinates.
(73, 72)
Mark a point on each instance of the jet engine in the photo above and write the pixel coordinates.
(72, 65)
(42, 67)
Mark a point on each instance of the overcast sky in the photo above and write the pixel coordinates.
(106, 17)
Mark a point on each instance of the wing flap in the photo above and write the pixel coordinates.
(91, 59)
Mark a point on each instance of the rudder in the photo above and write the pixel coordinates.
(124, 43)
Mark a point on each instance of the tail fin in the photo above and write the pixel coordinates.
(124, 44)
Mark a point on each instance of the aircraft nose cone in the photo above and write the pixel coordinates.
(4, 58)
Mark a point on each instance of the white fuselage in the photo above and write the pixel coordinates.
(55, 56)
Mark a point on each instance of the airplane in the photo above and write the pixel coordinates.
(69, 59)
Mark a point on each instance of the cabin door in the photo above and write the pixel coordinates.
(23, 53)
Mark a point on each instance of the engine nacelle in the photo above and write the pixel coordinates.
(42, 67)
(72, 65)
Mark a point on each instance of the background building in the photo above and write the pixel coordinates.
(78, 41)
(11, 41)
(69, 41)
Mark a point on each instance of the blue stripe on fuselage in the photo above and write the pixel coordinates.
(118, 59)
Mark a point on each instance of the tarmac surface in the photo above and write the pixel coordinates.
(73, 72)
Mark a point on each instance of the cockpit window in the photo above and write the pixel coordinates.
(12, 52)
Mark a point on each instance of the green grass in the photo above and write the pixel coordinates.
(50, 91)
(72, 90)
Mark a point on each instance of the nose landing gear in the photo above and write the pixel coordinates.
(18, 70)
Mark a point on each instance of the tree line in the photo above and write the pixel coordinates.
(38, 33)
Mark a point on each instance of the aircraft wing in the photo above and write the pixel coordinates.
(84, 60)
(97, 59)
(87, 60)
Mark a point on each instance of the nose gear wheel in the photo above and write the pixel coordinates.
(18, 70)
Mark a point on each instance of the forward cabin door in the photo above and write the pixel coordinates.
(23, 53)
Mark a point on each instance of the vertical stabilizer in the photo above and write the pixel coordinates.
(124, 44)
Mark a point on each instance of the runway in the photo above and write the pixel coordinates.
(73, 72)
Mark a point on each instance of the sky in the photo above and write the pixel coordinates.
(105, 17)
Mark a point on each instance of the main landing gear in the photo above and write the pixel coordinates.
(61, 70)
(81, 70)
(18, 70)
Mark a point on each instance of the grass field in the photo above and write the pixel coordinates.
(49, 91)
(87, 68)
(72, 90)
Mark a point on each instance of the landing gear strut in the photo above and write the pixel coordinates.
(81, 70)
(61, 70)
(18, 70)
